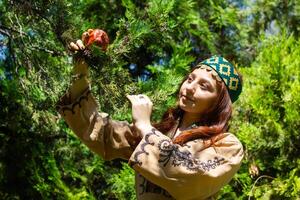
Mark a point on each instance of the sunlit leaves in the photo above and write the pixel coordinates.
(267, 117)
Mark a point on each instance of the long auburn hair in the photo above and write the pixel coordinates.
(215, 121)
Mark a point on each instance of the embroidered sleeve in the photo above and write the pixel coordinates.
(108, 138)
(190, 171)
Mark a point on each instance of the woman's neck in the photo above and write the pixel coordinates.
(188, 119)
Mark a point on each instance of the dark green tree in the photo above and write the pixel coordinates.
(153, 44)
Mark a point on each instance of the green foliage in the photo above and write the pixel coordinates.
(267, 117)
(122, 183)
(40, 156)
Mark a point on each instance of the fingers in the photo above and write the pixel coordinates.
(141, 98)
(73, 47)
(132, 98)
(76, 46)
(144, 99)
(128, 97)
(80, 44)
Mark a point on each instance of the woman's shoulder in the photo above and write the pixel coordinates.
(224, 150)
(224, 139)
(228, 137)
(225, 144)
(229, 145)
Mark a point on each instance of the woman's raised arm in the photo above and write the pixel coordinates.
(108, 138)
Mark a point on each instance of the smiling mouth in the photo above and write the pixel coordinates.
(186, 98)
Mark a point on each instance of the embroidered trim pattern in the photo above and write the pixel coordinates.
(209, 69)
(143, 151)
(170, 152)
(71, 107)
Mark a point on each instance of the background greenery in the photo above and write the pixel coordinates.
(153, 45)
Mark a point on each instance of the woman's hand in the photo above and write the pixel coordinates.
(74, 47)
(141, 112)
(80, 65)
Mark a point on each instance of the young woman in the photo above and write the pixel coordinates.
(188, 155)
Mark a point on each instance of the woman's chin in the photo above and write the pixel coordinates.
(186, 107)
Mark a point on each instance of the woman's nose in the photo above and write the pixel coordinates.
(190, 88)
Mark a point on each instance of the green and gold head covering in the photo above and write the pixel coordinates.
(228, 74)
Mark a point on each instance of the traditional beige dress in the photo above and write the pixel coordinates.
(163, 170)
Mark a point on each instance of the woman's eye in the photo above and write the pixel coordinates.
(190, 79)
(203, 86)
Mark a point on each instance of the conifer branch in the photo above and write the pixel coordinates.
(7, 32)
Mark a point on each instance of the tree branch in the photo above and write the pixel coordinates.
(7, 31)
(10, 29)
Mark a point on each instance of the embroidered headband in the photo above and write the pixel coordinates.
(226, 71)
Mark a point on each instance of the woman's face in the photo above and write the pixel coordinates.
(199, 92)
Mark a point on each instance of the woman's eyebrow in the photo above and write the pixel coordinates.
(206, 81)
(192, 75)
(202, 79)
